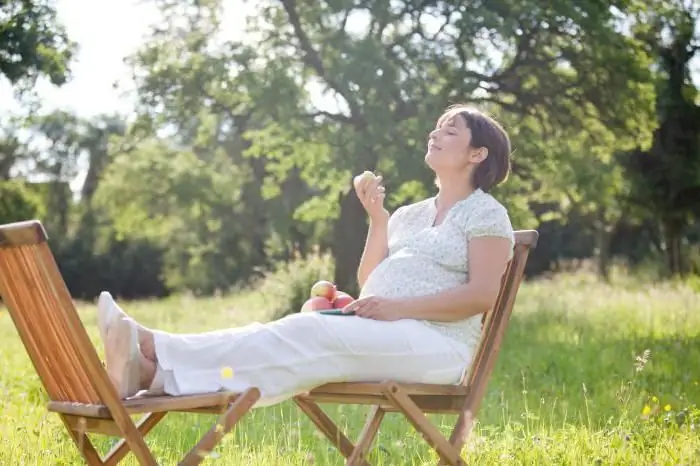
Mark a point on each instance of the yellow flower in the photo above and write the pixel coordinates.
(646, 411)
(654, 399)
(226, 372)
(667, 408)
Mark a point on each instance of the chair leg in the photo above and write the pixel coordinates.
(121, 449)
(328, 427)
(369, 431)
(228, 420)
(448, 453)
(461, 431)
(84, 445)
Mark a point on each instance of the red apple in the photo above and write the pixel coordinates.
(342, 299)
(317, 303)
(324, 289)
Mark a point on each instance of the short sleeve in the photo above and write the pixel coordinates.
(489, 220)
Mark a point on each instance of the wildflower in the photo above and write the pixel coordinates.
(654, 399)
(226, 372)
(642, 360)
(667, 408)
(646, 411)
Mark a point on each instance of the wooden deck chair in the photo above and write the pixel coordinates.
(415, 400)
(68, 365)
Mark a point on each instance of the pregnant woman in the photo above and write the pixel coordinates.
(427, 274)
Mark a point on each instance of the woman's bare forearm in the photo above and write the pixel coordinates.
(376, 249)
(453, 304)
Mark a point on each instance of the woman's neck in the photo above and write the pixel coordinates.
(451, 193)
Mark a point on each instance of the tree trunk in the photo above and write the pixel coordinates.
(603, 238)
(673, 239)
(349, 233)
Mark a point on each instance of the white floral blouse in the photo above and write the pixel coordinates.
(425, 259)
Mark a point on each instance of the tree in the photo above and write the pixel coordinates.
(393, 66)
(337, 87)
(667, 176)
(33, 43)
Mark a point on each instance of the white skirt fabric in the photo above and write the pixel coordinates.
(299, 352)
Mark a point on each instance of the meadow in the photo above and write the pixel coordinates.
(589, 373)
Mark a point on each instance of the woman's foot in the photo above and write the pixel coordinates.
(108, 311)
(123, 357)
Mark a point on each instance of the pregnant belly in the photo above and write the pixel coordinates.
(410, 276)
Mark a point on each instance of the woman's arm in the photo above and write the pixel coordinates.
(376, 248)
(488, 258)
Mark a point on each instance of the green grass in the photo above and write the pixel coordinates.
(580, 363)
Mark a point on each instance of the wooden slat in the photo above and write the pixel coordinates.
(326, 426)
(42, 325)
(352, 388)
(121, 449)
(227, 421)
(91, 425)
(429, 403)
(146, 404)
(447, 451)
(22, 233)
(527, 238)
(369, 431)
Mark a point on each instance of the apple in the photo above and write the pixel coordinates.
(342, 299)
(316, 303)
(323, 289)
(363, 178)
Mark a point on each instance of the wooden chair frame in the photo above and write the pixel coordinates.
(81, 393)
(70, 370)
(414, 401)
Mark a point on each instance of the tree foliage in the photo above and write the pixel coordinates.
(242, 149)
(33, 43)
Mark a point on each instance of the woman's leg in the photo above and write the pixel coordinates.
(301, 351)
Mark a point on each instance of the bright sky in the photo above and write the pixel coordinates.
(107, 31)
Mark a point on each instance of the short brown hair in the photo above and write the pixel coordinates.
(488, 133)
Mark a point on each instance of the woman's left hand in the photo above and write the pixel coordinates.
(377, 308)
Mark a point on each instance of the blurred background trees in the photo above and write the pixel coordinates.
(239, 154)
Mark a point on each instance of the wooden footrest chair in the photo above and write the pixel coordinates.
(65, 359)
(416, 400)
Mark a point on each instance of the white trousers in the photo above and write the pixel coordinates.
(297, 353)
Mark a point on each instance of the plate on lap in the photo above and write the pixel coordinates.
(337, 312)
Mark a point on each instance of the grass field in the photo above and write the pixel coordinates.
(589, 374)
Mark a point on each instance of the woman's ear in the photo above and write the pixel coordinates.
(480, 154)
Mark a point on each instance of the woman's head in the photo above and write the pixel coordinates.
(469, 143)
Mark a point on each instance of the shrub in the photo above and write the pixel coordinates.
(288, 284)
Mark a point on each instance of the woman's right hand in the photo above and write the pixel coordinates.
(371, 193)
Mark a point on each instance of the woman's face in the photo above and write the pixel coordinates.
(449, 145)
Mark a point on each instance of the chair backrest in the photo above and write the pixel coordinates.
(496, 321)
(44, 314)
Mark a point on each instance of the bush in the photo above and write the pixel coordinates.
(18, 203)
(289, 283)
